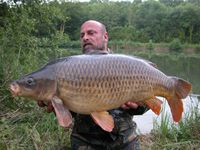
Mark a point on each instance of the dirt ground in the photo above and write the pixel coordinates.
(146, 142)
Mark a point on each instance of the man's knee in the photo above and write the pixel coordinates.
(85, 147)
(78, 144)
(133, 145)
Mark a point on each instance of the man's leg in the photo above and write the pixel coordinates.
(79, 144)
(133, 145)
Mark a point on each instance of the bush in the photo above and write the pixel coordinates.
(175, 46)
(150, 45)
(197, 49)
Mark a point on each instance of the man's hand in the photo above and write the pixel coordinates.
(48, 105)
(130, 104)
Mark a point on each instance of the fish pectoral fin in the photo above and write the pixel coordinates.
(62, 113)
(104, 120)
(154, 104)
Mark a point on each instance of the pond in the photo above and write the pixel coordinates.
(146, 121)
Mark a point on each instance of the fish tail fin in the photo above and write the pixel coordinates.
(154, 104)
(182, 89)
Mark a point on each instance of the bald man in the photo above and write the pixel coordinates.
(86, 135)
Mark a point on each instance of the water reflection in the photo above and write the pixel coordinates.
(145, 122)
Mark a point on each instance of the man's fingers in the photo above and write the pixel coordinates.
(124, 106)
(129, 105)
(41, 104)
(50, 107)
(132, 105)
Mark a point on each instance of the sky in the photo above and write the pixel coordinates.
(87, 0)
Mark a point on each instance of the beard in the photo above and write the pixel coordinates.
(87, 47)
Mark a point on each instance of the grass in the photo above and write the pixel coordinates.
(32, 129)
(170, 136)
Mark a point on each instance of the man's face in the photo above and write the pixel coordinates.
(93, 37)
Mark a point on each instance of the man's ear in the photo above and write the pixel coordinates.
(106, 36)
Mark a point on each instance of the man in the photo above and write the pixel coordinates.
(86, 134)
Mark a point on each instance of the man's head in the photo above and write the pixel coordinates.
(93, 36)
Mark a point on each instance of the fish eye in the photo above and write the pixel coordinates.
(30, 81)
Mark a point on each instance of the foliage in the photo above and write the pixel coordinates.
(21, 48)
(185, 22)
(197, 49)
(150, 20)
(150, 45)
(105, 11)
(175, 46)
(31, 129)
(77, 14)
(159, 21)
(184, 135)
(123, 33)
(172, 3)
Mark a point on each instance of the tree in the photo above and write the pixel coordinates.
(77, 14)
(112, 14)
(127, 33)
(172, 3)
(184, 21)
(195, 2)
(151, 19)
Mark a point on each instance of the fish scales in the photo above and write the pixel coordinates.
(114, 75)
(92, 84)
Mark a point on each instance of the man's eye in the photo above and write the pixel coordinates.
(91, 33)
(82, 35)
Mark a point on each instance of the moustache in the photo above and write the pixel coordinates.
(88, 43)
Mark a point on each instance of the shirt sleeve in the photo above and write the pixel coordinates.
(139, 111)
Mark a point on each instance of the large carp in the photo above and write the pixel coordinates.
(92, 84)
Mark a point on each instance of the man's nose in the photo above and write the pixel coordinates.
(85, 37)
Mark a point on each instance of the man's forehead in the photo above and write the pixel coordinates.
(91, 26)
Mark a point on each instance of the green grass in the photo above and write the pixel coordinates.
(31, 128)
(172, 136)
(23, 125)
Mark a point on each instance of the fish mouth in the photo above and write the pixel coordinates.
(14, 89)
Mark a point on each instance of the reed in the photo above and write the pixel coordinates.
(184, 135)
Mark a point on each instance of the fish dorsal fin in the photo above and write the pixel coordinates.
(154, 104)
(147, 61)
(62, 113)
(104, 120)
(150, 63)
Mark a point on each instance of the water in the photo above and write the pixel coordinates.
(145, 121)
